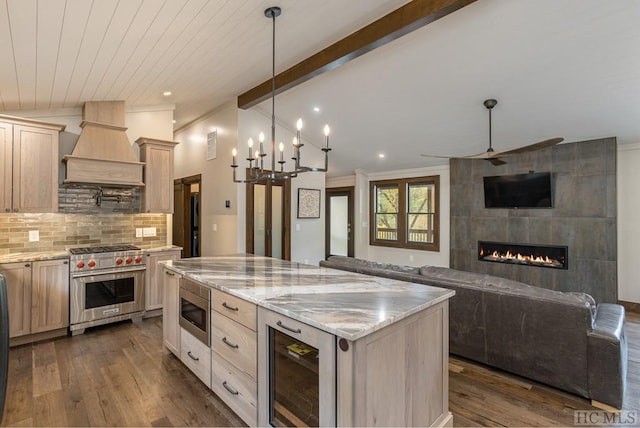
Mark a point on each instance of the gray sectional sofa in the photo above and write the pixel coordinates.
(561, 339)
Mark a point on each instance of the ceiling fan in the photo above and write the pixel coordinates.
(495, 157)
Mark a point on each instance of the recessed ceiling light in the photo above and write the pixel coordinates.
(316, 109)
(166, 93)
(381, 155)
(174, 121)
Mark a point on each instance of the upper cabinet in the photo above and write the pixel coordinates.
(157, 193)
(29, 160)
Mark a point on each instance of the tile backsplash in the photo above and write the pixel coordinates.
(58, 232)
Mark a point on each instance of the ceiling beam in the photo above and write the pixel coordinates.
(404, 20)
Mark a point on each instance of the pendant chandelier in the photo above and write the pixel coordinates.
(256, 172)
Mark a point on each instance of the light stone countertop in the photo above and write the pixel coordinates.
(346, 304)
(34, 256)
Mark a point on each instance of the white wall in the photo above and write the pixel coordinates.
(307, 235)
(628, 225)
(217, 187)
(400, 256)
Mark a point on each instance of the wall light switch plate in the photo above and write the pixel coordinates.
(297, 227)
(149, 231)
(138, 232)
(215, 227)
(34, 235)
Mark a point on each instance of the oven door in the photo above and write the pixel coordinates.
(194, 314)
(102, 295)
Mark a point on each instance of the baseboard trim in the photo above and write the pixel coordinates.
(630, 306)
(36, 337)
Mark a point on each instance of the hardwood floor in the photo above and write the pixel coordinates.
(118, 375)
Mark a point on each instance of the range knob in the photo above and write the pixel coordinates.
(138, 259)
(91, 263)
(80, 265)
(119, 261)
(129, 260)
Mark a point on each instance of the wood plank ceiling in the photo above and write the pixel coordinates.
(61, 53)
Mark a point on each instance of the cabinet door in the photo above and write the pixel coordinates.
(154, 281)
(170, 311)
(6, 161)
(19, 290)
(49, 295)
(35, 169)
(158, 180)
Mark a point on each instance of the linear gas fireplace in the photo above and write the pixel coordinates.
(549, 256)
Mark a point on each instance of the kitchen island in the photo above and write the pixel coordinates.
(301, 344)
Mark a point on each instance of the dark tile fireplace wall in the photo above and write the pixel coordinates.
(583, 217)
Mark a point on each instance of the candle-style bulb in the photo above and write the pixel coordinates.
(234, 152)
(326, 130)
(250, 142)
(281, 147)
(295, 141)
(299, 124)
(261, 137)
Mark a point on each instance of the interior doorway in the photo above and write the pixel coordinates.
(186, 218)
(268, 219)
(339, 230)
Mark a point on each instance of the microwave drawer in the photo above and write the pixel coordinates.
(236, 389)
(196, 356)
(235, 342)
(235, 308)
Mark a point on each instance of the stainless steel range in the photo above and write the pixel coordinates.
(107, 285)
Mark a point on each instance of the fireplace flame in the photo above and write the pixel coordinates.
(519, 258)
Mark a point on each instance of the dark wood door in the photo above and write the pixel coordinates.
(186, 218)
(339, 227)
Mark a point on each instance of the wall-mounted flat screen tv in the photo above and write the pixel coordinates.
(518, 191)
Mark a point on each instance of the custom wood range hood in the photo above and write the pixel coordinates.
(103, 154)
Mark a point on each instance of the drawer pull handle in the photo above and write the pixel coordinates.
(169, 273)
(228, 388)
(231, 308)
(192, 357)
(229, 344)
(292, 330)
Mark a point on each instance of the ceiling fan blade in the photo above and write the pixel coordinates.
(439, 157)
(531, 147)
(496, 161)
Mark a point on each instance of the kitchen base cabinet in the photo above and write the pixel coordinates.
(38, 299)
(196, 356)
(396, 376)
(153, 280)
(49, 295)
(238, 390)
(171, 312)
(19, 292)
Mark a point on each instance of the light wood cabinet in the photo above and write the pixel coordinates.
(153, 290)
(171, 311)
(29, 157)
(157, 193)
(234, 343)
(196, 356)
(19, 292)
(38, 296)
(49, 295)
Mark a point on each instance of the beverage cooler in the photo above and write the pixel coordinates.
(4, 342)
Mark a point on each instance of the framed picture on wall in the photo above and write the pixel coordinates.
(308, 203)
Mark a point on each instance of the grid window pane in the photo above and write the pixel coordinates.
(387, 227)
(387, 199)
(420, 228)
(421, 198)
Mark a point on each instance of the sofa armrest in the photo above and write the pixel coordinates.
(607, 355)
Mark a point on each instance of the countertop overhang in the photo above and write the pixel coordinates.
(348, 305)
